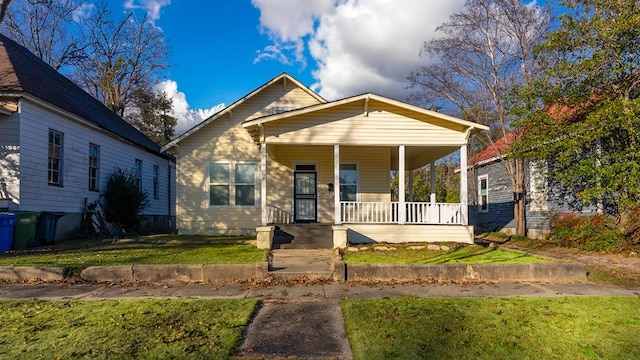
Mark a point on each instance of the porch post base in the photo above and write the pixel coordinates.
(264, 237)
(339, 236)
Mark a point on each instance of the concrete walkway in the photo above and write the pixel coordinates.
(312, 292)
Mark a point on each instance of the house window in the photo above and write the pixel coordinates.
(219, 184)
(94, 167)
(55, 157)
(348, 182)
(138, 173)
(483, 193)
(245, 184)
(232, 183)
(156, 182)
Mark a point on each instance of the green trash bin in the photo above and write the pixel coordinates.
(25, 231)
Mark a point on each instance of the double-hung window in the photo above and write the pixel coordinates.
(94, 167)
(56, 141)
(348, 182)
(232, 184)
(483, 193)
(245, 184)
(219, 184)
(138, 172)
(156, 182)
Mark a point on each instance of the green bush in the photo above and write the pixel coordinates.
(598, 232)
(123, 199)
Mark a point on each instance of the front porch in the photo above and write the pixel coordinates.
(333, 163)
(313, 198)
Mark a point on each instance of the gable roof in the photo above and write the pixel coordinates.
(22, 72)
(283, 76)
(365, 98)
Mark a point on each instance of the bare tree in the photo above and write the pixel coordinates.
(486, 52)
(49, 29)
(4, 5)
(122, 57)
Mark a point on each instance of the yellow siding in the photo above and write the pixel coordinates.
(389, 233)
(224, 139)
(350, 125)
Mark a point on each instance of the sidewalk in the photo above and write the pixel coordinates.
(313, 292)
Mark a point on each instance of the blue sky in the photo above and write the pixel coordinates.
(221, 50)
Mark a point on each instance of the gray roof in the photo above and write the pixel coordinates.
(23, 72)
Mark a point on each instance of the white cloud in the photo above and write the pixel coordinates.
(358, 45)
(152, 7)
(186, 117)
(82, 12)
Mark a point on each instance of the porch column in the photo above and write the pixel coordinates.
(410, 185)
(401, 189)
(433, 183)
(464, 197)
(263, 183)
(336, 184)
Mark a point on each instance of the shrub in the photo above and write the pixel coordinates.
(123, 200)
(630, 225)
(598, 232)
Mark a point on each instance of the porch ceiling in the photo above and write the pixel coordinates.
(415, 156)
(419, 156)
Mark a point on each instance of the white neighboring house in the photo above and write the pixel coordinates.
(58, 145)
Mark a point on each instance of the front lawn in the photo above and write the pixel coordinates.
(471, 254)
(494, 328)
(123, 329)
(174, 249)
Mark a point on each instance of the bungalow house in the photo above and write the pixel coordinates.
(283, 155)
(58, 144)
(491, 198)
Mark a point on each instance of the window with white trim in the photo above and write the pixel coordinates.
(245, 184)
(483, 193)
(232, 184)
(94, 167)
(348, 182)
(54, 173)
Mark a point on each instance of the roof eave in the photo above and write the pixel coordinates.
(471, 126)
(240, 101)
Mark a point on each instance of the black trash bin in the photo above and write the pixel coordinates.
(47, 225)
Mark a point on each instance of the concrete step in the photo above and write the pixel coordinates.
(290, 264)
(303, 236)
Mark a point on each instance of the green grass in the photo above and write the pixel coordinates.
(494, 328)
(124, 329)
(150, 250)
(472, 254)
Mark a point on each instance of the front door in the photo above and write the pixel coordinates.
(305, 195)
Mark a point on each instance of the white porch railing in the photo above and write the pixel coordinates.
(387, 213)
(276, 215)
(428, 213)
(369, 212)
